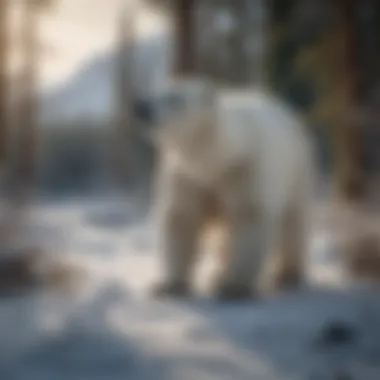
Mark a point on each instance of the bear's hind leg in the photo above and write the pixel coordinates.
(242, 264)
(287, 266)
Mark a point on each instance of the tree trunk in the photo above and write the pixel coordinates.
(257, 42)
(184, 29)
(121, 143)
(350, 184)
(4, 7)
(28, 102)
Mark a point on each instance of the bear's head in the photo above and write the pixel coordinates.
(172, 99)
(182, 113)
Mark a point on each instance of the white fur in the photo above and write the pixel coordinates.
(255, 130)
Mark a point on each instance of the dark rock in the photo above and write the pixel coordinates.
(17, 271)
(337, 333)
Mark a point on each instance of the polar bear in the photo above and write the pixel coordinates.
(241, 158)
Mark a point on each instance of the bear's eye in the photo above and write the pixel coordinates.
(145, 110)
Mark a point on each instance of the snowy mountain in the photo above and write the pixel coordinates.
(89, 93)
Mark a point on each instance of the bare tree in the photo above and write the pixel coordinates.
(183, 16)
(184, 26)
(4, 50)
(232, 41)
(124, 94)
(16, 268)
(349, 177)
(256, 41)
(26, 118)
(28, 107)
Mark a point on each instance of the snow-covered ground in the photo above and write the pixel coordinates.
(108, 328)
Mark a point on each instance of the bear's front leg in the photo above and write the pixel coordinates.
(242, 266)
(180, 224)
(241, 209)
(247, 238)
(179, 250)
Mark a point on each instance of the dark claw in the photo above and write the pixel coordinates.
(171, 290)
(290, 280)
(234, 293)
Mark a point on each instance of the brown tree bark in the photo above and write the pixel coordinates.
(28, 102)
(184, 28)
(4, 50)
(350, 181)
(124, 129)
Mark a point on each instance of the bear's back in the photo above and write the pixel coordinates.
(249, 120)
(257, 127)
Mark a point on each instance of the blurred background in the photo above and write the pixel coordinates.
(73, 75)
(78, 80)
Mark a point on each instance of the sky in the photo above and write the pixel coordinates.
(72, 31)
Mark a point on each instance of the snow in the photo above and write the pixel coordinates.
(109, 328)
